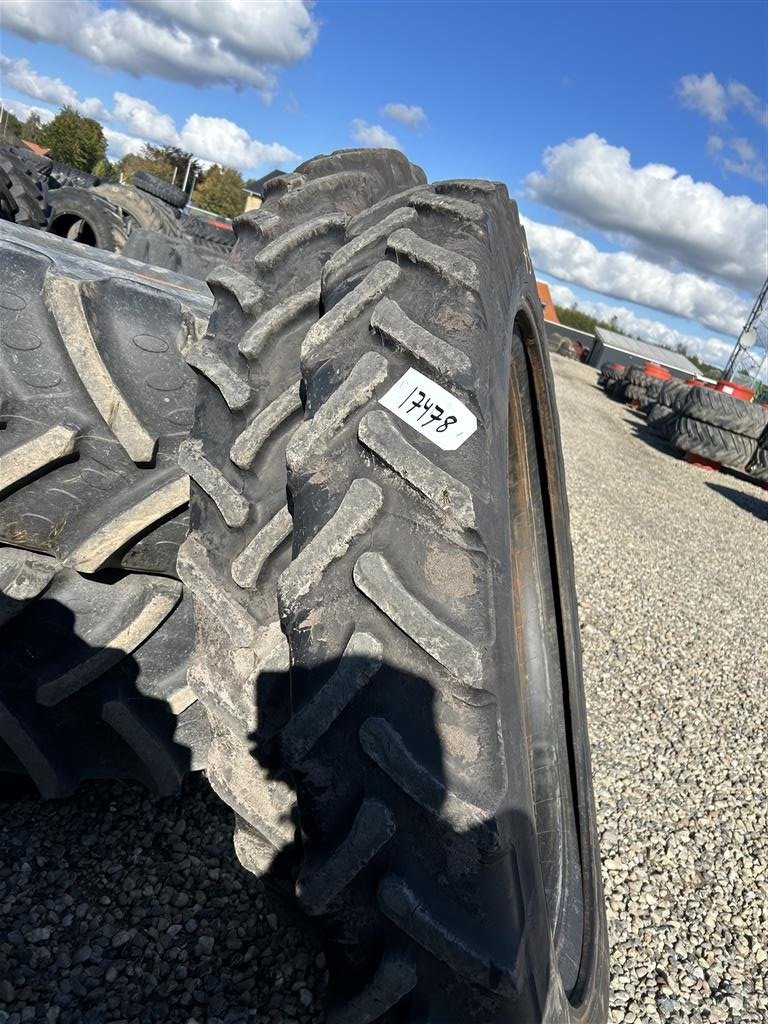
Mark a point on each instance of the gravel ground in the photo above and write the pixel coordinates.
(116, 908)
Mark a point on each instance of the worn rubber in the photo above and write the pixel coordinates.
(155, 186)
(608, 373)
(93, 677)
(758, 467)
(662, 419)
(82, 215)
(64, 176)
(139, 208)
(634, 392)
(204, 229)
(23, 195)
(722, 410)
(175, 252)
(723, 446)
(430, 609)
(249, 404)
(673, 393)
(96, 400)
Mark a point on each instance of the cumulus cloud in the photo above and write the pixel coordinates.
(738, 156)
(21, 76)
(373, 135)
(712, 350)
(145, 119)
(708, 96)
(23, 110)
(234, 43)
(565, 255)
(411, 117)
(119, 144)
(665, 215)
(224, 142)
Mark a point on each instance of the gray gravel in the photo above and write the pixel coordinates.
(122, 909)
(672, 573)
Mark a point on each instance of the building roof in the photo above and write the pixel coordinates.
(646, 350)
(256, 185)
(547, 303)
(40, 150)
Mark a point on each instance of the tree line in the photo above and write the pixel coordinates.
(80, 142)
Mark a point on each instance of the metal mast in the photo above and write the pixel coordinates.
(748, 363)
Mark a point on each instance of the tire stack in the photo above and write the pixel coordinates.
(665, 412)
(610, 372)
(758, 466)
(96, 399)
(720, 428)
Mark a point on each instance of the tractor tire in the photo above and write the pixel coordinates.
(93, 677)
(141, 211)
(438, 735)
(64, 176)
(723, 446)
(673, 394)
(41, 165)
(23, 196)
(635, 375)
(634, 393)
(249, 403)
(155, 186)
(178, 254)
(96, 400)
(727, 412)
(662, 419)
(203, 229)
(758, 467)
(83, 216)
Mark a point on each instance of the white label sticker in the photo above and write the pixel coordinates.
(431, 410)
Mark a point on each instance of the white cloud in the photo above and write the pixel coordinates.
(748, 164)
(565, 255)
(119, 144)
(712, 350)
(411, 117)
(19, 75)
(711, 98)
(666, 215)
(373, 135)
(145, 119)
(224, 142)
(234, 43)
(23, 110)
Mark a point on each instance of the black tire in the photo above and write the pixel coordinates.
(93, 677)
(634, 393)
(758, 467)
(64, 176)
(608, 373)
(174, 253)
(155, 186)
(23, 195)
(83, 216)
(141, 210)
(41, 165)
(203, 229)
(673, 394)
(438, 736)
(662, 419)
(727, 412)
(723, 446)
(635, 375)
(96, 400)
(248, 406)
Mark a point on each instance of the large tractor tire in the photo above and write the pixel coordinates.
(722, 410)
(96, 399)
(154, 186)
(674, 394)
(758, 467)
(715, 443)
(84, 216)
(93, 677)
(438, 735)
(141, 210)
(249, 404)
(208, 230)
(662, 419)
(23, 196)
(175, 252)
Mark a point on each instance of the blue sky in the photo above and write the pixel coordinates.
(633, 134)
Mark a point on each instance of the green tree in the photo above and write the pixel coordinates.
(32, 128)
(107, 170)
(221, 192)
(12, 126)
(75, 140)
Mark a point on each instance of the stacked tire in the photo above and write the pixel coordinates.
(720, 428)
(610, 372)
(665, 412)
(95, 629)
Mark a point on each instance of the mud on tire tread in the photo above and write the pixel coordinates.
(249, 403)
(96, 400)
(86, 217)
(404, 737)
(105, 694)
